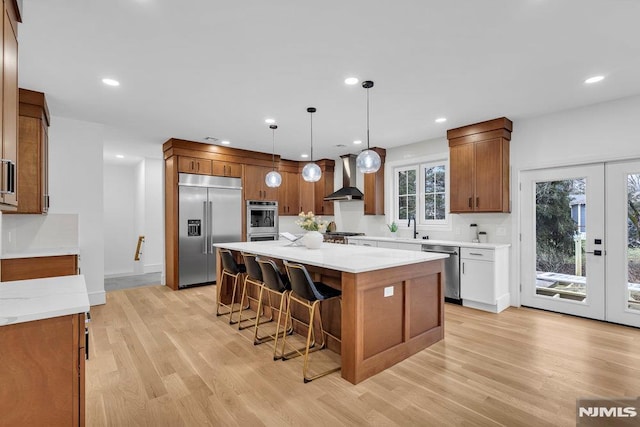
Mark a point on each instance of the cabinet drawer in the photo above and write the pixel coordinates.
(38, 267)
(480, 254)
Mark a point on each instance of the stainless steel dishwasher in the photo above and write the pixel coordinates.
(451, 270)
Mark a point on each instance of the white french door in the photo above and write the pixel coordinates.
(581, 240)
(563, 245)
(623, 249)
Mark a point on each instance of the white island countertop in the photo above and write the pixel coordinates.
(36, 299)
(40, 252)
(347, 258)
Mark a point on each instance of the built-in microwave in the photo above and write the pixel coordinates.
(262, 220)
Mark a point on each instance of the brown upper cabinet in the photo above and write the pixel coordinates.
(194, 165)
(33, 153)
(323, 188)
(254, 185)
(479, 167)
(289, 191)
(374, 187)
(233, 170)
(9, 116)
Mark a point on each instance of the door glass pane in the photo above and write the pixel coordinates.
(633, 241)
(560, 239)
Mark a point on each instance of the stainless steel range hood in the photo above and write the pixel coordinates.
(349, 191)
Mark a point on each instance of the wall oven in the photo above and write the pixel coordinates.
(262, 220)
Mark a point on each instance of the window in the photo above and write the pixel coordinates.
(406, 186)
(421, 191)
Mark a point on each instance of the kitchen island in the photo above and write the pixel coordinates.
(392, 300)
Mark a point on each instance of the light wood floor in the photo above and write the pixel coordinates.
(159, 357)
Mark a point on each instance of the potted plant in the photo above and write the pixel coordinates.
(393, 228)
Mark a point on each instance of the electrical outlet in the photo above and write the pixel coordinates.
(501, 231)
(388, 291)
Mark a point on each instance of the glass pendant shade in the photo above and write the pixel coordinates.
(273, 179)
(368, 161)
(311, 172)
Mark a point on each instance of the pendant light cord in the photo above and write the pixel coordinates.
(311, 116)
(367, 118)
(273, 149)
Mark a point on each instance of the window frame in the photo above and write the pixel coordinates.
(420, 164)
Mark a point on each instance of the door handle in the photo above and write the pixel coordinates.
(470, 202)
(596, 252)
(211, 227)
(477, 202)
(204, 220)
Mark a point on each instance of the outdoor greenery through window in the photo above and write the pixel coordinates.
(421, 192)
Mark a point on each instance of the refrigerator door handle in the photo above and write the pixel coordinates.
(211, 227)
(204, 220)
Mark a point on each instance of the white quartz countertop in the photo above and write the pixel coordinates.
(36, 299)
(433, 242)
(347, 258)
(41, 252)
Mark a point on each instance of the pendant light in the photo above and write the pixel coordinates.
(311, 172)
(273, 178)
(368, 161)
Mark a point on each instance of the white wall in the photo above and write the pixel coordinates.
(120, 236)
(154, 215)
(133, 197)
(75, 186)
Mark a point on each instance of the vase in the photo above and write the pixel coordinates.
(394, 234)
(313, 239)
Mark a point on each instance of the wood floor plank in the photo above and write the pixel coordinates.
(159, 357)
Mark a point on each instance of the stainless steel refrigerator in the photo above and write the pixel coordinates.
(209, 211)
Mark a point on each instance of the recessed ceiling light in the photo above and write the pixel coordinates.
(441, 119)
(120, 156)
(111, 82)
(594, 79)
(351, 80)
(269, 121)
(225, 142)
(357, 142)
(304, 156)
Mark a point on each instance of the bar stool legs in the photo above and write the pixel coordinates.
(230, 269)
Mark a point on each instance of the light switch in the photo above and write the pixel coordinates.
(388, 291)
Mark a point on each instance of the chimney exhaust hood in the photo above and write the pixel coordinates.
(349, 191)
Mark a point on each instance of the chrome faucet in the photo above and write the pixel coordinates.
(415, 232)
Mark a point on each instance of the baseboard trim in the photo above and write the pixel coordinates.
(97, 298)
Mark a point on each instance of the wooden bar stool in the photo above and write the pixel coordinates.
(253, 277)
(232, 270)
(277, 284)
(309, 294)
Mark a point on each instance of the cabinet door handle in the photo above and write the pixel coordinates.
(476, 254)
(477, 202)
(470, 205)
(193, 166)
(463, 268)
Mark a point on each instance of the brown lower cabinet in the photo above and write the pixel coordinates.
(38, 267)
(42, 372)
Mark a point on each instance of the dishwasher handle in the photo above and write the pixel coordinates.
(441, 252)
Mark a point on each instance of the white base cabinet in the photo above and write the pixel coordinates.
(484, 275)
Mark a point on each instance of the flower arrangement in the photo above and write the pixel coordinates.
(310, 222)
(393, 227)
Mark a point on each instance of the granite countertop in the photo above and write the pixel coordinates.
(434, 242)
(36, 299)
(41, 252)
(347, 258)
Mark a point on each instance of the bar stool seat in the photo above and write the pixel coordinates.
(232, 270)
(309, 294)
(274, 284)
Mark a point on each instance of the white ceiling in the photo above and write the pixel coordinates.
(196, 68)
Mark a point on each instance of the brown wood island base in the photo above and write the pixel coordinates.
(388, 314)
